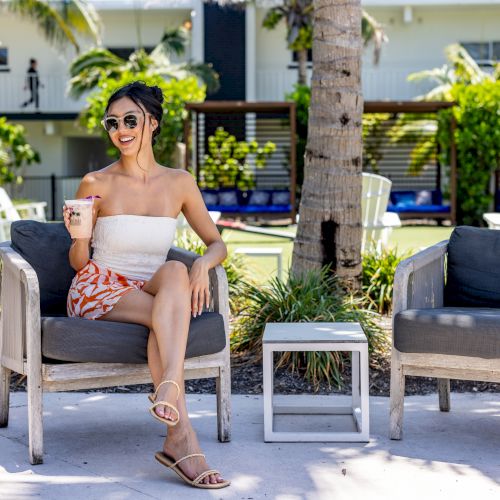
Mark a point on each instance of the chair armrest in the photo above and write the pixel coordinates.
(419, 280)
(218, 285)
(20, 303)
(181, 254)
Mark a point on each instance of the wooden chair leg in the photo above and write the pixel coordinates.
(223, 388)
(4, 395)
(35, 418)
(397, 397)
(444, 394)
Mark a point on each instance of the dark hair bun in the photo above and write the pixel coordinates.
(157, 93)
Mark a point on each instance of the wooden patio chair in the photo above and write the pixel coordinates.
(58, 353)
(446, 331)
(35, 211)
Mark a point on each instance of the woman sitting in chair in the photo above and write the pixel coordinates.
(128, 279)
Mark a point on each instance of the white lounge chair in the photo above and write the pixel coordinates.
(10, 213)
(493, 220)
(377, 223)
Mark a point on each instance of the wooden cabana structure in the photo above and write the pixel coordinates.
(276, 122)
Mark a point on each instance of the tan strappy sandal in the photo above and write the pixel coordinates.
(155, 404)
(196, 482)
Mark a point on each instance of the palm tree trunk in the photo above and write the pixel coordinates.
(302, 60)
(329, 229)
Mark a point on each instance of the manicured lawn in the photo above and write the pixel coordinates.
(404, 238)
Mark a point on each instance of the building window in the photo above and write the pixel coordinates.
(4, 57)
(484, 53)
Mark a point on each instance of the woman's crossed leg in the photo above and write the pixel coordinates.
(164, 306)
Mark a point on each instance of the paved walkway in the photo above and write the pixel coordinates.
(101, 446)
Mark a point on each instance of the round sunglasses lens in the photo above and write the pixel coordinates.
(111, 123)
(130, 121)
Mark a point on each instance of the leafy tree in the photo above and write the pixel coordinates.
(88, 69)
(60, 21)
(176, 94)
(15, 152)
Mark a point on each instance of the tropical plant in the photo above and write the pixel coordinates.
(424, 130)
(378, 278)
(97, 63)
(312, 297)
(329, 228)
(15, 152)
(176, 94)
(60, 22)
(477, 139)
(461, 68)
(226, 163)
(298, 15)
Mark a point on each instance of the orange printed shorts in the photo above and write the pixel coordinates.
(95, 290)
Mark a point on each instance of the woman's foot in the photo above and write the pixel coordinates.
(169, 392)
(183, 441)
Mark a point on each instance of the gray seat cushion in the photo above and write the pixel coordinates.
(461, 331)
(473, 276)
(83, 340)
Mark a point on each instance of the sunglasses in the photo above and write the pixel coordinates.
(111, 123)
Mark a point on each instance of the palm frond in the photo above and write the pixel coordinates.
(83, 17)
(372, 31)
(465, 67)
(48, 19)
(207, 74)
(174, 41)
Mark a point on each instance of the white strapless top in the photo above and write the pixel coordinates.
(132, 245)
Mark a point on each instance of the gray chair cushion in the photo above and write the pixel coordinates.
(83, 340)
(46, 246)
(473, 276)
(461, 331)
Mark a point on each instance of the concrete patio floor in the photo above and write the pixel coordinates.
(101, 446)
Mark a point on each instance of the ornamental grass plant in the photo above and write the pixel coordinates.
(378, 278)
(317, 296)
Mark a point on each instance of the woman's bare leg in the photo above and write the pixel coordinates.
(164, 306)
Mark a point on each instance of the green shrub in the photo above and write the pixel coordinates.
(378, 278)
(317, 296)
(226, 165)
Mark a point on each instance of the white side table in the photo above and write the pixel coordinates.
(284, 337)
(265, 252)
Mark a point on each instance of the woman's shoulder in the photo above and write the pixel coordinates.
(99, 176)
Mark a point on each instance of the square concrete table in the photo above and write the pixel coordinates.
(287, 337)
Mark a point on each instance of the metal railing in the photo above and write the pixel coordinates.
(51, 188)
(378, 84)
(52, 96)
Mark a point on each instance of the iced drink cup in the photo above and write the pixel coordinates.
(80, 221)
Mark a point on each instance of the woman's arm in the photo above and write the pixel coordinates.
(196, 213)
(79, 252)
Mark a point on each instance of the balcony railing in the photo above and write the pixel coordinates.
(52, 96)
(378, 84)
